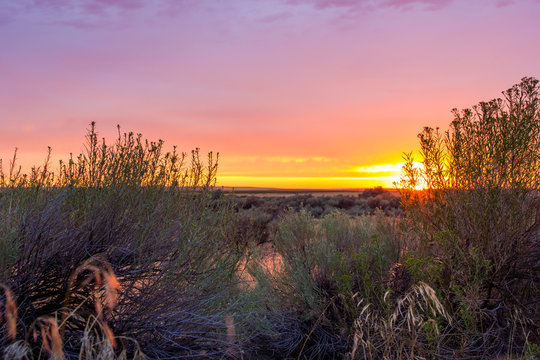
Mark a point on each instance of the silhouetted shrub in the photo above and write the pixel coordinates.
(478, 220)
(372, 192)
(345, 202)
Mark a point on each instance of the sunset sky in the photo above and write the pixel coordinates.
(292, 93)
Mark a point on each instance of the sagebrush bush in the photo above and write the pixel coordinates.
(478, 219)
(148, 213)
(310, 294)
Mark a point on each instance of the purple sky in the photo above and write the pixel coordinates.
(281, 88)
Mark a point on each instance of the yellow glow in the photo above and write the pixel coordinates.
(307, 182)
(384, 175)
(385, 168)
(393, 168)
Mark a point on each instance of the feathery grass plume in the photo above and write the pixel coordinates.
(93, 269)
(399, 334)
(18, 350)
(112, 286)
(232, 350)
(98, 343)
(98, 268)
(10, 312)
(49, 333)
(110, 335)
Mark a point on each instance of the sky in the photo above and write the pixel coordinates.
(291, 93)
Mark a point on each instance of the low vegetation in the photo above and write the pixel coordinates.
(129, 252)
(258, 215)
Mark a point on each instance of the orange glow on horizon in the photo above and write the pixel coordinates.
(275, 172)
(385, 175)
(306, 182)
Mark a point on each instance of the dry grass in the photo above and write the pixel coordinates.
(399, 335)
(97, 340)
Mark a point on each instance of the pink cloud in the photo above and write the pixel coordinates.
(87, 4)
(504, 3)
(276, 17)
(5, 19)
(428, 4)
(367, 5)
(72, 13)
(99, 8)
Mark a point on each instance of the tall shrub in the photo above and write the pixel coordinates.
(148, 213)
(478, 213)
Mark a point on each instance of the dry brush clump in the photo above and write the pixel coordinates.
(146, 212)
(309, 296)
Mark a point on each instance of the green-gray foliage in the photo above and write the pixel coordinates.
(478, 215)
(152, 215)
(326, 267)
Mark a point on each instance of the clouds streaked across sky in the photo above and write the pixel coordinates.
(264, 82)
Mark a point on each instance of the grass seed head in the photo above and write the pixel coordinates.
(10, 314)
(112, 286)
(110, 335)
